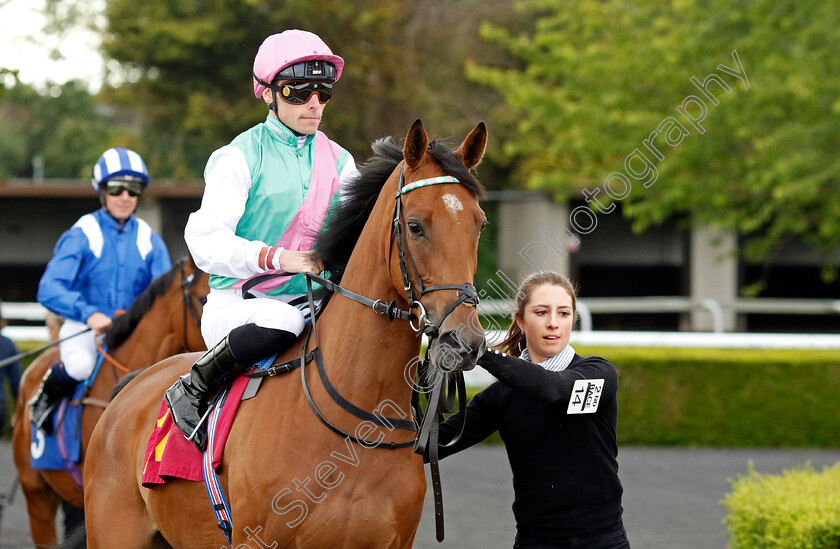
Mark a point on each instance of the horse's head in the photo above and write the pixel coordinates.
(437, 224)
(195, 285)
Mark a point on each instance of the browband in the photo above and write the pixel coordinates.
(430, 181)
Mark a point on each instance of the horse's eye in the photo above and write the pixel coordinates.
(414, 228)
(483, 226)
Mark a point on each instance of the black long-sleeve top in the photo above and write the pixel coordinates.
(559, 433)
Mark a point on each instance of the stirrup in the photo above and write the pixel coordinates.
(45, 417)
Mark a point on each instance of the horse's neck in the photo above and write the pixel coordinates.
(365, 355)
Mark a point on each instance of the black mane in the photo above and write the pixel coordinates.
(344, 225)
(124, 324)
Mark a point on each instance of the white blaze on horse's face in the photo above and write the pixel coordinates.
(453, 204)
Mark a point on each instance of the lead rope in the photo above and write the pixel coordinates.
(440, 402)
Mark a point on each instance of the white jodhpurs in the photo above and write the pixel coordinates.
(78, 353)
(226, 310)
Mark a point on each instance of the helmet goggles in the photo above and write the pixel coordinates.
(116, 186)
(298, 92)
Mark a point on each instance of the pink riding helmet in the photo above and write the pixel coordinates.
(278, 51)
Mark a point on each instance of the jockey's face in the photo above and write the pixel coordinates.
(121, 206)
(303, 118)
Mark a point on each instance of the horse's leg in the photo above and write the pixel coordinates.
(115, 510)
(41, 504)
(41, 501)
(133, 529)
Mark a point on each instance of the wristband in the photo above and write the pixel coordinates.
(273, 257)
(269, 257)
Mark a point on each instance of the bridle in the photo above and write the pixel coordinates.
(466, 292)
(466, 295)
(189, 305)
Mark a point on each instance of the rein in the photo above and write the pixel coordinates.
(114, 362)
(336, 396)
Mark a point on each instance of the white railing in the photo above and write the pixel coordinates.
(646, 305)
(29, 312)
(586, 309)
(479, 377)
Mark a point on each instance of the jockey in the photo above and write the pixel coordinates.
(266, 196)
(98, 267)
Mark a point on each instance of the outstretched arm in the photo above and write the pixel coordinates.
(534, 381)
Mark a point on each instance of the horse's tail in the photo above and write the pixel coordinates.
(77, 539)
(125, 380)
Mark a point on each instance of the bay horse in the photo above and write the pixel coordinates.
(162, 321)
(291, 482)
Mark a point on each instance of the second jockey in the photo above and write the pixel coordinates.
(98, 267)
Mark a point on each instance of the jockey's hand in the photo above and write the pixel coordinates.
(98, 322)
(300, 262)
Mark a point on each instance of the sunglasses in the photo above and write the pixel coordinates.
(115, 187)
(298, 93)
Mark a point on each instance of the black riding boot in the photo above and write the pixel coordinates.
(187, 398)
(55, 386)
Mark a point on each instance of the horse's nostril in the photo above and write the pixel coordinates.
(452, 353)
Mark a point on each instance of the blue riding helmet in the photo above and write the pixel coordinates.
(119, 162)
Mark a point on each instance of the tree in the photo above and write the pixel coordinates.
(64, 128)
(756, 155)
(182, 70)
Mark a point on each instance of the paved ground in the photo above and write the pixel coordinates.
(671, 496)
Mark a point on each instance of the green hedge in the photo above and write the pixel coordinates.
(727, 397)
(798, 510)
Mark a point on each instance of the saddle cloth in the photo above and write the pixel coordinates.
(170, 454)
(60, 450)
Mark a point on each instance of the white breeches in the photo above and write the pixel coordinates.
(226, 310)
(79, 353)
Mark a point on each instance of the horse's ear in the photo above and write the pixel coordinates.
(471, 150)
(416, 143)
